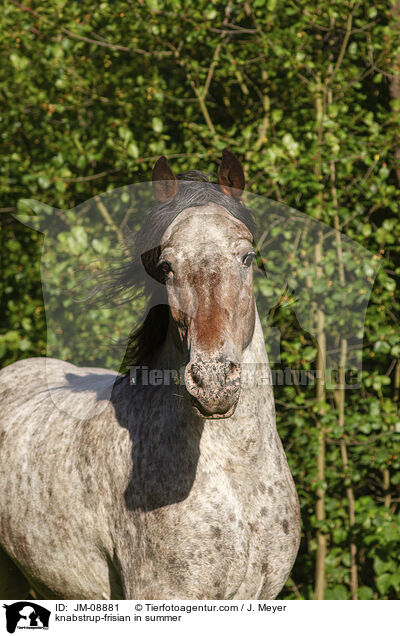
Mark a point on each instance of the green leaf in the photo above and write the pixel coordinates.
(383, 583)
(365, 593)
(381, 346)
(157, 124)
(133, 150)
(125, 134)
(291, 145)
(337, 593)
(210, 13)
(101, 246)
(44, 182)
(19, 62)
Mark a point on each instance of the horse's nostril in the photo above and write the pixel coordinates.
(196, 376)
(231, 369)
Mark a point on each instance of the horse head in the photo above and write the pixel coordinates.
(205, 261)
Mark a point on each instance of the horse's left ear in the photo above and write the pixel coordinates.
(231, 175)
(165, 183)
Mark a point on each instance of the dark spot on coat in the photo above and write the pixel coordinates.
(216, 532)
(285, 526)
(263, 512)
(264, 568)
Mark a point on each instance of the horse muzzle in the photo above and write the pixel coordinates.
(214, 387)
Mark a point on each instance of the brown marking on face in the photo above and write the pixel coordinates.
(210, 320)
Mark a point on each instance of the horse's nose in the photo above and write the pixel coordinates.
(213, 385)
(199, 376)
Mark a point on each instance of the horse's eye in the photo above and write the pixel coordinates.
(248, 259)
(164, 268)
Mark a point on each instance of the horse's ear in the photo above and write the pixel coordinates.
(231, 175)
(165, 184)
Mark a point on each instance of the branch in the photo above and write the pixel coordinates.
(344, 45)
(107, 217)
(90, 177)
(216, 54)
(196, 90)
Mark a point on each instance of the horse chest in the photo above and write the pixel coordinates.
(214, 546)
(194, 551)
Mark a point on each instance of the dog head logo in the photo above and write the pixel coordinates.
(26, 615)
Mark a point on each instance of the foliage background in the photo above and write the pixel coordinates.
(307, 94)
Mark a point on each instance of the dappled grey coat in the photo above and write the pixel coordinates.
(167, 491)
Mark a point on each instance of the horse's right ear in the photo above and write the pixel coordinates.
(231, 175)
(165, 184)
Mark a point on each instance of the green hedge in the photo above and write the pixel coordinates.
(308, 96)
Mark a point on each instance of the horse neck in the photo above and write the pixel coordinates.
(255, 352)
(256, 403)
(237, 445)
